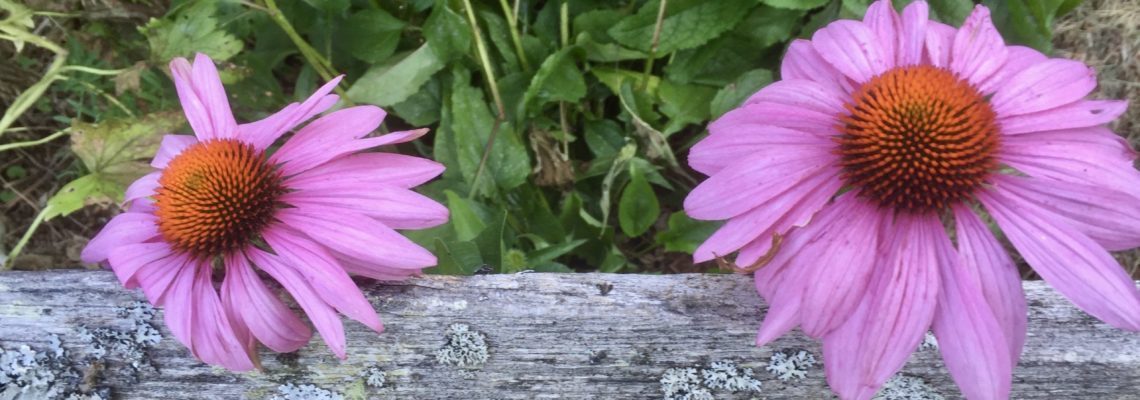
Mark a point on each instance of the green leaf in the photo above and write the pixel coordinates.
(372, 35)
(952, 12)
(732, 95)
(456, 258)
(193, 29)
(684, 104)
(606, 52)
(596, 23)
(466, 222)
(447, 32)
(613, 78)
(796, 4)
(718, 62)
(638, 208)
(508, 164)
(557, 79)
(687, 24)
(1028, 22)
(329, 6)
(549, 253)
(491, 244)
(766, 26)
(120, 150)
(393, 82)
(685, 234)
(89, 189)
(423, 107)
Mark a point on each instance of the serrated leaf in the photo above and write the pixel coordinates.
(684, 104)
(120, 150)
(595, 23)
(606, 52)
(393, 82)
(447, 32)
(423, 107)
(372, 35)
(796, 4)
(638, 208)
(687, 24)
(684, 233)
(557, 79)
(193, 29)
(766, 26)
(508, 164)
(732, 95)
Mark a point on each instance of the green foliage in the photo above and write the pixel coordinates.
(564, 129)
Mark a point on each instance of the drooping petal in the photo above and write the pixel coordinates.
(1042, 86)
(884, 23)
(320, 140)
(156, 278)
(978, 49)
(892, 319)
(203, 98)
(970, 337)
(1109, 217)
(1069, 260)
(195, 316)
(1093, 156)
(264, 132)
(398, 208)
(802, 62)
(939, 43)
(325, 275)
(1080, 114)
(793, 207)
(752, 181)
(840, 259)
(323, 316)
(853, 49)
(985, 261)
(358, 236)
(260, 310)
(912, 35)
(370, 169)
(124, 229)
(171, 146)
(143, 187)
(128, 259)
(1018, 58)
(781, 284)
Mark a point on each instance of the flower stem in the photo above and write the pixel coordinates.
(321, 65)
(12, 146)
(513, 22)
(653, 46)
(485, 60)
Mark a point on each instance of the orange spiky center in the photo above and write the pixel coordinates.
(918, 138)
(216, 196)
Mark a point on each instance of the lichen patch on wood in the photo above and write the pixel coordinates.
(463, 348)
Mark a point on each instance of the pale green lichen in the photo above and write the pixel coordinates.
(463, 348)
(902, 387)
(694, 383)
(791, 364)
(47, 374)
(684, 384)
(290, 391)
(374, 376)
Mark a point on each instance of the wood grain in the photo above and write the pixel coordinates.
(548, 336)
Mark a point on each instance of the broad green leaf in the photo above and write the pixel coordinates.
(952, 12)
(613, 78)
(393, 82)
(604, 137)
(687, 24)
(549, 253)
(796, 4)
(193, 29)
(423, 107)
(719, 62)
(638, 208)
(596, 23)
(490, 241)
(606, 52)
(89, 189)
(823, 17)
(447, 32)
(456, 258)
(766, 26)
(1028, 22)
(466, 222)
(558, 79)
(508, 164)
(685, 234)
(372, 35)
(734, 94)
(329, 6)
(120, 150)
(684, 104)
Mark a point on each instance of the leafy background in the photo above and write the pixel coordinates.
(564, 125)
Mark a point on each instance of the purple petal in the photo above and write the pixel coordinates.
(1109, 217)
(853, 49)
(124, 229)
(840, 260)
(358, 236)
(203, 98)
(912, 36)
(1018, 59)
(752, 181)
(1069, 260)
(972, 341)
(215, 340)
(171, 146)
(985, 261)
(1049, 84)
(263, 133)
(1094, 156)
(800, 93)
(266, 317)
(398, 208)
(978, 50)
(143, 187)
(939, 43)
(320, 140)
(370, 169)
(128, 260)
(323, 316)
(1080, 114)
(882, 19)
(802, 62)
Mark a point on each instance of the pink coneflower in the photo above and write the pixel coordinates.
(840, 182)
(307, 215)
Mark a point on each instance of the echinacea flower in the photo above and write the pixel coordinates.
(307, 215)
(840, 183)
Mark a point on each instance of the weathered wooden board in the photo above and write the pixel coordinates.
(546, 335)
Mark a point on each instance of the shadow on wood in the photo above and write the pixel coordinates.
(520, 337)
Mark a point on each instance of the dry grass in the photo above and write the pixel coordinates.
(1105, 34)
